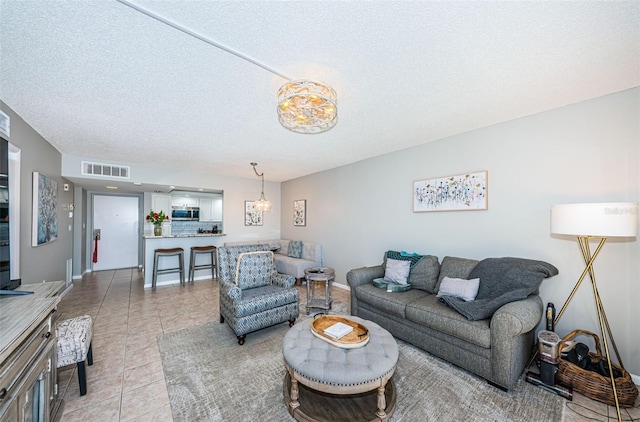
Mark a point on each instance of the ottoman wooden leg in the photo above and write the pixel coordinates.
(382, 404)
(294, 403)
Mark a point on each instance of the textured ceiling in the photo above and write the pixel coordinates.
(99, 79)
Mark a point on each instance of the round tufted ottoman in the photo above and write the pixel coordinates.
(339, 384)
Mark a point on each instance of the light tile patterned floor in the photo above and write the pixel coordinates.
(126, 381)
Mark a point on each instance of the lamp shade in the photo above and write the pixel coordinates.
(608, 219)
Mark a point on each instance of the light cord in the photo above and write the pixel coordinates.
(201, 37)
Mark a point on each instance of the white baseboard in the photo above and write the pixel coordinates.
(79, 277)
(341, 286)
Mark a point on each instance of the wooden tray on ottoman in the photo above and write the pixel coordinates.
(356, 338)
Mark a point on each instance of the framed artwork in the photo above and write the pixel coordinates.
(451, 193)
(300, 212)
(252, 217)
(45, 209)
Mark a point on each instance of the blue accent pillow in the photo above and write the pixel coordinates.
(295, 249)
(254, 269)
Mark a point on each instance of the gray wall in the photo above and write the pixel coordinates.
(45, 262)
(587, 152)
(80, 233)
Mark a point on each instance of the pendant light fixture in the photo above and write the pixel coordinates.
(261, 204)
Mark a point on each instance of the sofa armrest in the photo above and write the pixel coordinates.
(364, 275)
(516, 318)
(283, 280)
(512, 341)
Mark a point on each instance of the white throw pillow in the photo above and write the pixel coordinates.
(397, 271)
(459, 287)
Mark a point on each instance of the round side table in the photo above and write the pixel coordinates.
(313, 275)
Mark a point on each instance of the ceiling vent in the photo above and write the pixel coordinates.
(5, 124)
(108, 170)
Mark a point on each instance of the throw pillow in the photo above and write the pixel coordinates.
(397, 271)
(456, 268)
(295, 249)
(254, 269)
(424, 269)
(466, 290)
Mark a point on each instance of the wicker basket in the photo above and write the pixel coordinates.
(590, 383)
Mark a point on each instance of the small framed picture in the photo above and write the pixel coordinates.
(300, 212)
(252, 217)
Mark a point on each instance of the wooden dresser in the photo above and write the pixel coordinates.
(28, 375)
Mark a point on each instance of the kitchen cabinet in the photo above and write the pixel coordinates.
(185, 201)
(161, 203)
(211, 209)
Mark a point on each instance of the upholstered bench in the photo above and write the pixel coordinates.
(325, 368)
(74, 346)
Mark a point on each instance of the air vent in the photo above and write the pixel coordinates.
(5, 124)
(108, 170)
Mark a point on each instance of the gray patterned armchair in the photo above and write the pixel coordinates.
(253, 295)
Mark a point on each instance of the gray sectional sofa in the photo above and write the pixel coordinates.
(496, 347)
(311, 255)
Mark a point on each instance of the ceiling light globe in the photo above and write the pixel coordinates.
(306, 106)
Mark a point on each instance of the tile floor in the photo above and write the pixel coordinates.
(126, 381)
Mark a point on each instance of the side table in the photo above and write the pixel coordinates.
(313, 275)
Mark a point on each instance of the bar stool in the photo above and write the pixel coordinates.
(195, 250)
(159, 253)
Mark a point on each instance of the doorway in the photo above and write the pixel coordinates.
(116, 221)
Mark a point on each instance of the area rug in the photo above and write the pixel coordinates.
(210, 377)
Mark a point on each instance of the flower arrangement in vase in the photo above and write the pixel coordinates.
(157, 218)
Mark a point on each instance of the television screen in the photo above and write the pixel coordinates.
(5, 262)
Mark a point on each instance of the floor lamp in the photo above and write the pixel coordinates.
(595, 221)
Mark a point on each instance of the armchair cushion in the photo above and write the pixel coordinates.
(254, 269)
(254, 301)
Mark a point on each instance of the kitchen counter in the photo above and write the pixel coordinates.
(184, 241)
(185, 235)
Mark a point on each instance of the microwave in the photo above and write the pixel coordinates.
(185, 213)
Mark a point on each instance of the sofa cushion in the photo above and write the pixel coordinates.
(283, 246)
(295, 249)
(392, 303)
(292, 266)
(455, 268)
(459, 287)
(254, 269)
(312, 251)
(397, 271)
(423, 274)
(428, 311)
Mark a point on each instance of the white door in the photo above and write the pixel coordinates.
(117, 219)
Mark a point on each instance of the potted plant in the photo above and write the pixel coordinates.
(157, 218)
